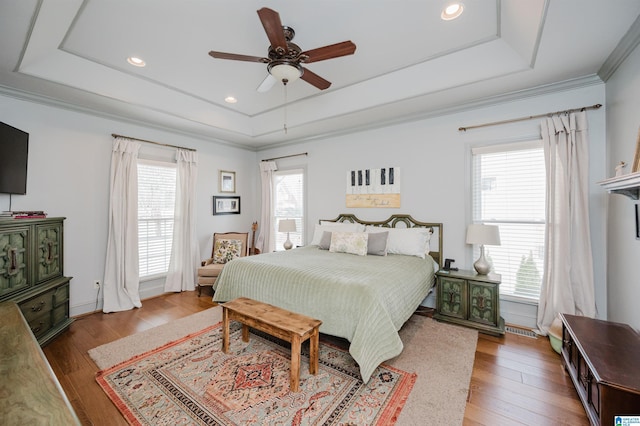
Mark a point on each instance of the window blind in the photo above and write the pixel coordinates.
(156, 205)
(289, 203)
(508, 190)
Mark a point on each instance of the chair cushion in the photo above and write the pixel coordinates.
(206, 281)
(211, 270)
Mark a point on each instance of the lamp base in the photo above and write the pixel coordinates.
(288, 245)
(482, 265)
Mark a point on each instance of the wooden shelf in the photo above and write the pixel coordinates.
(628, 185)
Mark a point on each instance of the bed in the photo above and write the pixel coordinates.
(363, 298)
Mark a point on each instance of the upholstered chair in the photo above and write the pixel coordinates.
(226, 247)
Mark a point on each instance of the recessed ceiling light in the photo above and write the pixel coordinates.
(136, 62)
(230, 100)
(452, 11)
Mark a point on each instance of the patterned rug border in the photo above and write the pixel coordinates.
(388, 415)
(114, 397)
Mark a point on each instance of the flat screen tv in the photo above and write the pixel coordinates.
(14, 148)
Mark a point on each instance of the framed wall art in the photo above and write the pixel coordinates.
(227, 181)
(373, 188)
(226, 205)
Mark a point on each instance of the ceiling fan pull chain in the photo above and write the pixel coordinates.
(285, 107)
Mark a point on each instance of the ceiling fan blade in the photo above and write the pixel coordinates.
(266, 84)
(273, 27)
(236, 57)
(328, 52)
(315, 80)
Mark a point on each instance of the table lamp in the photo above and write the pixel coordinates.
(287, 225)
(483, 235)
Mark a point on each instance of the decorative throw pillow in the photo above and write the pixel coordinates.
(226, 250)
(325, 241)
(377, 243)
(326, 226)
(349, 242)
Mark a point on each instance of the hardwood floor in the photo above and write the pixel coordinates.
(515, 379)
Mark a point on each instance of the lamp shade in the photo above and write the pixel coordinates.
(287, 225)
(483, 234)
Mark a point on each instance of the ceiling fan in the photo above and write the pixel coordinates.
(285, 59)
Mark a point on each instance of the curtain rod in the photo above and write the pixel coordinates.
(513, 120)
(285, 156)
(155, 143)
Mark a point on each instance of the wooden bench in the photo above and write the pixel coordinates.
(289, 326)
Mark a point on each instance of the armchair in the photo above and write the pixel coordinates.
(226, 247)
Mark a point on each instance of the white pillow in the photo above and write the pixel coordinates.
(407, 241)
(344, 226)
(334, 226)
(349, 242)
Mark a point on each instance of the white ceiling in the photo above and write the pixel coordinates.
(408, 61)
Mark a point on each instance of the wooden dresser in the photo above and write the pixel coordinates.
(30, 392)
(31, 273)
(603, 360)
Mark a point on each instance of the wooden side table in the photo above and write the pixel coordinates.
(467, 298)
(289, 326)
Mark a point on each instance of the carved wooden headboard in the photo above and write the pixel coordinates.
(402, 221)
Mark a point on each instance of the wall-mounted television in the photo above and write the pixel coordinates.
(14, 149)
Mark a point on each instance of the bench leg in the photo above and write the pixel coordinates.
(245, 333)
(294, 380)
(314, 342)
(225, 330)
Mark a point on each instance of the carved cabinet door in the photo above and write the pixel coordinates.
(14, 266)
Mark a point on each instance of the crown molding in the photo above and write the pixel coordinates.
(562, 86)
(624, 48)
(566, 85)
(55, 103)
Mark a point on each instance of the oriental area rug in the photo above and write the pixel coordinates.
(161, 376)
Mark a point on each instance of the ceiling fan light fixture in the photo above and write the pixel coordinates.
(452, 11)
(285, 71)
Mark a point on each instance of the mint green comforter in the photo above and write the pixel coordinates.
(364, 299)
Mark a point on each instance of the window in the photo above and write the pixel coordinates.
(156, 204)
(288, 203)
(508, 190)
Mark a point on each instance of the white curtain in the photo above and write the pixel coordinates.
(185, 250)
(567, 285)
(265, 242)
(121, 272)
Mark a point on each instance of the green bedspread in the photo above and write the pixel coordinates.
(364, 299)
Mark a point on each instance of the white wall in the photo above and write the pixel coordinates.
(68, 176)
(70, 157)
(434, 160)
(623, 120)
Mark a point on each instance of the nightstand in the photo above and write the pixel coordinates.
(467, 298)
